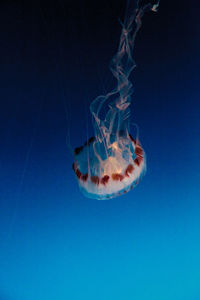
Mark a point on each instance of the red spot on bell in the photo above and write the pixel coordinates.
(84, 177)
(88, 142)
(117, 176)
(78, 150)
(138, 160)
(78, 173)
(95, 179)
(138, 151)
(129, 170)
(104, 179)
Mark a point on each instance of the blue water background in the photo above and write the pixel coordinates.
(54, 242)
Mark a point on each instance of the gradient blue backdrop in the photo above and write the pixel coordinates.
(54, 243)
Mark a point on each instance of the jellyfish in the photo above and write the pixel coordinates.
(113, 162)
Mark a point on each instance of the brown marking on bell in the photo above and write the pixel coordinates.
(117, 176)
(138, 160)
(138, 151)
(78, 150)
(88, 142)
(104, 179)
(95, 179)
(131, 186)
(84, 177)
(125, 191)
(78, 173)
(132, 139)
(129, 170)
(91, 140)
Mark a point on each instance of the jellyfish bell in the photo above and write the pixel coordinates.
(101, 177)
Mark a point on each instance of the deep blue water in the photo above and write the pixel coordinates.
(54, 242)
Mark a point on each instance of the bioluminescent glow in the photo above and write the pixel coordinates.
(112, 162)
